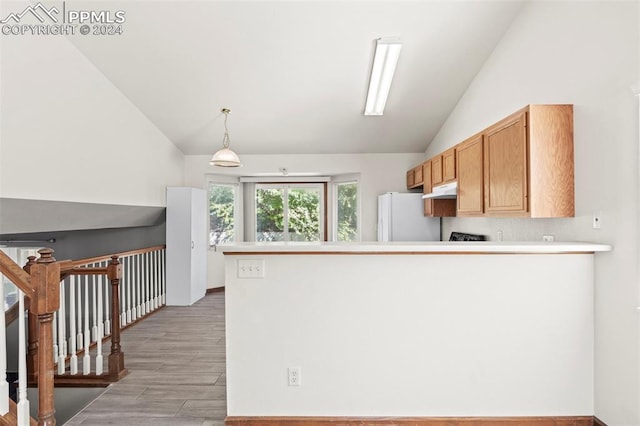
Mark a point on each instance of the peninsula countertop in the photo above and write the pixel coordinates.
(421, 247)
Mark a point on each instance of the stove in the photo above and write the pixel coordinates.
(461, 236)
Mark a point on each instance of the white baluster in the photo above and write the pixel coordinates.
(164, 276)
(123, 293)
(99, 306)
(94, 294)
(55, 337)
(86, 360)
(145, 284)
(156, 301)
(4, 386)
(61, 356)
(100, 329)
(129, 289)
(150, 278)
(152, 287)
(139, 284)
(24, 417)
(73, 362)
(63, 317)
(107, 321)
(79, 337)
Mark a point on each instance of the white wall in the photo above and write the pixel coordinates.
(379, 173)
(68, 134)
(586, 54)
(405, 335)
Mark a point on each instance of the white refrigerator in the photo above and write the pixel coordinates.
(401, 218)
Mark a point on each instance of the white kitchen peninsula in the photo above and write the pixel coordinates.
(410, 329)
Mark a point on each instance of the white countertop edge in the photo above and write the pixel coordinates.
(417, 247)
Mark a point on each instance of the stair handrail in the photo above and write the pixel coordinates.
(16, 275)
(41, 285)
(90, 260)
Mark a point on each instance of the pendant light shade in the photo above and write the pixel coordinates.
(225, 157)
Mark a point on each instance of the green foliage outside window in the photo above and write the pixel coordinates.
(347, 211)
(269, 214)
(303, 214)
(221, 214)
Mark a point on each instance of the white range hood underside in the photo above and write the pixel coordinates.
(446, 191)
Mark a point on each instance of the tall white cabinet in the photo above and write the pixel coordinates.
(186, 245)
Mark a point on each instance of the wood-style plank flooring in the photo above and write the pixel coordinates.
(176, 362)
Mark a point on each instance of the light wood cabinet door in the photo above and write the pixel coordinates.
(505, 173)
(410, 179)
(449, 165)
(470, 170)
(418, 176)
(436, 170)
(426, 188)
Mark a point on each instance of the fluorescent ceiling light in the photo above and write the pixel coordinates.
(384, 65)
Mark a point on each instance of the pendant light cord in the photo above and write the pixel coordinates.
(225, 139)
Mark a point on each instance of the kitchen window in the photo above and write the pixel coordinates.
(224, 213)
(346, 211)
(290, 212)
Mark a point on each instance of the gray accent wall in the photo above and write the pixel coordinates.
(94, 242)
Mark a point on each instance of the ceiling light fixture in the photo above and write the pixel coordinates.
(225, 157)
(384, 65)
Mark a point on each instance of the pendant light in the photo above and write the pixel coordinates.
(225, 157)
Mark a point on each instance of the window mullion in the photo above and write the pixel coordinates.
(285, 204)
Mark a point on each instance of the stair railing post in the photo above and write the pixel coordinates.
(116, 357)
(45, 278)
(32, 348)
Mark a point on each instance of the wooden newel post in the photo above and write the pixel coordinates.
(116, 357)
(32, 349)
(45, 278)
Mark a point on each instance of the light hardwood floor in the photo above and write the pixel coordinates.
(176, 362)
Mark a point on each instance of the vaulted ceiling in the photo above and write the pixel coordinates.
(295, 73)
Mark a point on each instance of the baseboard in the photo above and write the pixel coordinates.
(412, 421)
(598, 422)
(215, 290)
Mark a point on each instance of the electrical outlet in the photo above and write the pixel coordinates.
(597, 221)
(250, 268)
(548, 238)
(294, 376)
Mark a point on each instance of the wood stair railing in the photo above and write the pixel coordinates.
(137, 289)
(11, 418)
(41, 287)
(67, 375)
(135, 292)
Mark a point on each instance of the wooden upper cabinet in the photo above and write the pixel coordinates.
(436, 170)
(469, 163)
(418, 176)
(435, 208)
(415, 177)
(522, 166)
(551, 163)
(528, 163)
(449, 165)
(410, 178)
(505, 171)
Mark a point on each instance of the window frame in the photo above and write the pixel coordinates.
(238, 213)
(341, 180)
(322, 214)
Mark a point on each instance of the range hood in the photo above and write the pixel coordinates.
(446, 191)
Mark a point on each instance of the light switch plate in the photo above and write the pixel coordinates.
(250, 268)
